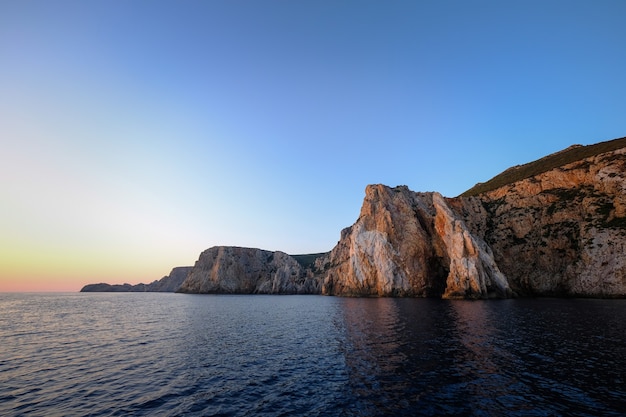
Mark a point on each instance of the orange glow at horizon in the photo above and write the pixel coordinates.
(63, 270)
(67, 281)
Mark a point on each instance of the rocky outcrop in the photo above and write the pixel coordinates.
(473, 272)
(169, 283)
(104, 287)
(411, 244)
(561, 232)
(236, 270)
(554, 227)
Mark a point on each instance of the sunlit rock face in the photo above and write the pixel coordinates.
(473, 271)
(411, 244)
(559, 233)
(235, 270)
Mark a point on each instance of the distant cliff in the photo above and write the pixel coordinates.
(168, 283)
(225, 269)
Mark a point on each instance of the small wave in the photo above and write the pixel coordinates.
(309, 356)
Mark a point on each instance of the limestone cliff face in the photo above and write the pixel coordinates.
(473, 270)
(559, 232)
(235, 270)
(411, 244)
(556, 227)
(562, 232)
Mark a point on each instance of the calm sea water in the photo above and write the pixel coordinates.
(172, 354)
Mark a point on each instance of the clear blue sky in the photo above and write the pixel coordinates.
(135, 134)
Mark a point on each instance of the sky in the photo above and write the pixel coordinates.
(135, 134)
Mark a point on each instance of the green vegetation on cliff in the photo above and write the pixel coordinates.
(572, 154)
(308, 260)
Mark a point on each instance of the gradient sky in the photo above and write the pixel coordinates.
(135, 134)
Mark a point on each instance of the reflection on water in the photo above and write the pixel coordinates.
(513, 357)
(374, 355)
(147, 354)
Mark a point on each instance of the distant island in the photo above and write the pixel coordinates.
(552, 227)
(169, 283)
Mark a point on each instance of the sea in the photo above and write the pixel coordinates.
(165, 354)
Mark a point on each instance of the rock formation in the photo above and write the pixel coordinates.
(411, 244)
(226, 269)
(561, 232)
(104, 287)
(554, 227)
(169, 283)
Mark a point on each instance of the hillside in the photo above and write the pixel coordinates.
(553, 227)
(168, 283)
(308, 260)
(567, 156)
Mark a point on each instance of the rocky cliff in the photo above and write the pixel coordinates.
(226, 269)
(553, 227)
(169, 283)
(561, 232)
(411, 244)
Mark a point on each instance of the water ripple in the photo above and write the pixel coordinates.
(171, 355)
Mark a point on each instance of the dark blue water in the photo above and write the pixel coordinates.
(172, 354)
